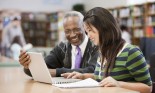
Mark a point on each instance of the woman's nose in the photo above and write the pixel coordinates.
(88, 35)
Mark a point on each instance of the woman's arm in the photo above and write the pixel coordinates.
(111, 82)
(141, 87)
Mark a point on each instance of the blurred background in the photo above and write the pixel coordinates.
(36, 25)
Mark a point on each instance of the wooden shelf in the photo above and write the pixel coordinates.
(137, 16)
(151, 14)
(135, 27)
(125, 17)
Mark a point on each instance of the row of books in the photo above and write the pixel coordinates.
(52, 26)
(138, 22)
(150, 32)
(138, 33)
(137, 11)
(125, 12)
(128, 22)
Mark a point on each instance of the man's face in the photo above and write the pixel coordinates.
(73, 30)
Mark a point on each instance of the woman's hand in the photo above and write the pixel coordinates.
(75, 75)
(109, 82)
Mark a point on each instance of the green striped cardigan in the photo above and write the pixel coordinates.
(130, 66)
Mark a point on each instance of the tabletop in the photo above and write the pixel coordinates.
(14, 80)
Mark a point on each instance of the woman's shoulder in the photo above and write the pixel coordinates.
(133, 50)
(132, 47)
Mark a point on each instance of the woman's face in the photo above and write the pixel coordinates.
(92, 33)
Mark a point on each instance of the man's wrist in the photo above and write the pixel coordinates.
(82, 76)
(52, 72)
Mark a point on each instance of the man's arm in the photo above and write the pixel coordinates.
(89, 68)
(27, 71)
(55, 59)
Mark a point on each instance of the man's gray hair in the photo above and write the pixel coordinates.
(74, 14)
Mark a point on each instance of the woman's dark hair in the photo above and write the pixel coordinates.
(110, 41)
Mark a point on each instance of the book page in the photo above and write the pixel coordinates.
(80, 84)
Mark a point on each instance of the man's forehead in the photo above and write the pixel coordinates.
(72, 18)
(71, 21)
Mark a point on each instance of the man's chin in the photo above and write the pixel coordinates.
(75, 43)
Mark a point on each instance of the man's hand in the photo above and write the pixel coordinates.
(75, 75)
(24, 59)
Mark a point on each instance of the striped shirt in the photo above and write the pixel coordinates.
(130, 66)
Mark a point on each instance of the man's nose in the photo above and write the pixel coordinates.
(72, 34)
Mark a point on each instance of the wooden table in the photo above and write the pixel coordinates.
(13, 80)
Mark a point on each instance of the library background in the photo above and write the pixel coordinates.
(41, 20)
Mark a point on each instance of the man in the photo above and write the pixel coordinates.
(63, 57)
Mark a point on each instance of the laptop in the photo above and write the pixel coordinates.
(40, 72)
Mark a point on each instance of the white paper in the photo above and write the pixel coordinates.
(80, 84)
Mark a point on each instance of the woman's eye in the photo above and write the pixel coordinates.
(89, 30)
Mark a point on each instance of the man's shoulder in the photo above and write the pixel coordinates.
(64, 44)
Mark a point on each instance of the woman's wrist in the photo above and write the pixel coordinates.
(120, 83)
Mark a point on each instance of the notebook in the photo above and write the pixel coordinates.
(80, 84)
(41, 73)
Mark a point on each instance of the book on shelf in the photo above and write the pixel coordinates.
(138, 33)
(149, 31)
(125, 12)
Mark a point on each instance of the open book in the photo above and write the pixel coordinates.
(80, 84)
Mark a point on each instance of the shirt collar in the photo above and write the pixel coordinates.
(83, 44)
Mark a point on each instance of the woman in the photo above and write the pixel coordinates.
(120, 64)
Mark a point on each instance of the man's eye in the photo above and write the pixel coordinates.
(67, 31)
(77, 29)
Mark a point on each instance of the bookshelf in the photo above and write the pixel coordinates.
(40, 29)
(150, 20)
(140, 20)
(138, 27)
